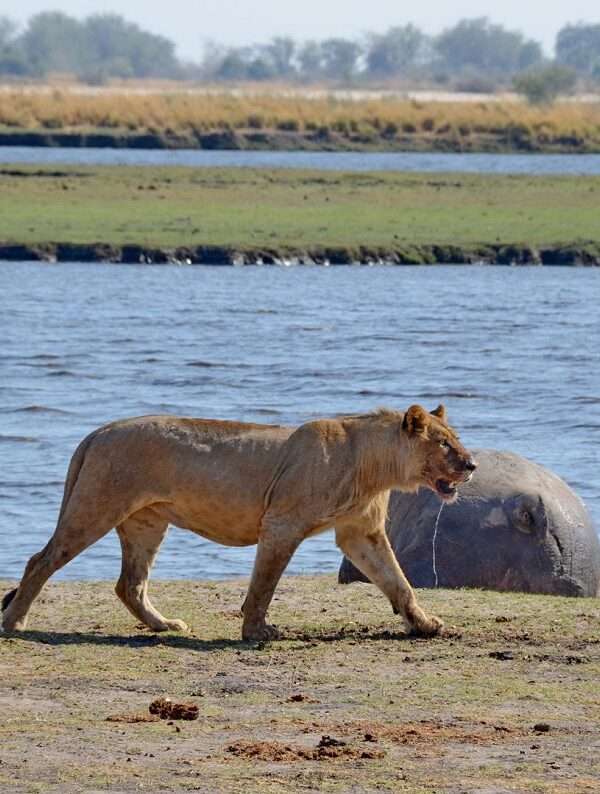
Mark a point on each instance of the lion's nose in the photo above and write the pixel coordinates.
(470, 465)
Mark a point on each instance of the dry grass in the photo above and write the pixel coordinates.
(197, 113)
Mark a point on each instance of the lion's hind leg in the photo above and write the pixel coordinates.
(74, 533)
(141, 536)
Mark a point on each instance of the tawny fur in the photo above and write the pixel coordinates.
(242, 484)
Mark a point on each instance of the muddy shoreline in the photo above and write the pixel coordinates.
(512, 139)
(578, 254)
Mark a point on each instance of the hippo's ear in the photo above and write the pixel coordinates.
(415, 420)
(441, 414)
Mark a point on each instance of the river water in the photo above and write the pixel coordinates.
(513, 352)
(533, 164)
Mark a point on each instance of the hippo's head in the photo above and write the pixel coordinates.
(446, 464)
(536, 534)
(515, 526)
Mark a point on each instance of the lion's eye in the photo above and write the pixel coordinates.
(444, 444)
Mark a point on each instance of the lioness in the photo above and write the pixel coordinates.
(240, 484)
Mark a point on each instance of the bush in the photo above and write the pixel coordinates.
(476, 84)
(288, 125)
(544, 86)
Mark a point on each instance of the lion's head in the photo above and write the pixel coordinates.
(446, 463)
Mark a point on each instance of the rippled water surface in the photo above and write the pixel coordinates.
(513, 352)
(329, 161)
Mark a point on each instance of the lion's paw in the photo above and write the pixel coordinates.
(428, 627)
(168, 625)
(177, 625)
(8, 626)
(259, 632)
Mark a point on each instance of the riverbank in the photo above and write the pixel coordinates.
(279, 121)
(506, 701)
(576, 254)
(244, 216)
(513, 138)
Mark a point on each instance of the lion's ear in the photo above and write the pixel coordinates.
(441, 414)
(415, 420)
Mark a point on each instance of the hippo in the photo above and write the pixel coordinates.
(515, 526)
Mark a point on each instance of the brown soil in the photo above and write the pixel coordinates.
(426, 732)
(328, 748)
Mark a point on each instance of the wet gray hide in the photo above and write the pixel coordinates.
(516, 526)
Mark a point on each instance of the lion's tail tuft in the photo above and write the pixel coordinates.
(8, 597)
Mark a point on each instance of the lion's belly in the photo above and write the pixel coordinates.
(230, 526)
(215, 488)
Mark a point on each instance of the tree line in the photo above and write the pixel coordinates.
(473, 54)
(98, 48)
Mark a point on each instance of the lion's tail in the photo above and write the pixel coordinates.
(72, 475)
(73, 472)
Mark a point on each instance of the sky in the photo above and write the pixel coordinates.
(189, 24)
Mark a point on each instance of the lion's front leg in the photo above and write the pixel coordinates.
(372, 554)
(276, 545)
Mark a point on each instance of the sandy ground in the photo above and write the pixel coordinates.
(148, 88)
(506, 701)
(249, 90)
(142, 88)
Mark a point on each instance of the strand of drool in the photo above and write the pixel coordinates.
(433, 544)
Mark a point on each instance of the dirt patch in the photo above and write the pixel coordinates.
(298, 697)
(328, 748)
(166, 710)
(132, 718)
(425, 732)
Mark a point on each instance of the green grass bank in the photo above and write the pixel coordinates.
(220, 216)
(506, 701)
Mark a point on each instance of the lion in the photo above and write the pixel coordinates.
(242, 484)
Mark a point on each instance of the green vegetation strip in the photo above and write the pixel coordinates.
(507, 700)
(227, 215)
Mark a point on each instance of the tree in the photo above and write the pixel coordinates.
(477, 44)
(544, 86)
(280, 51)
(261, 67)
(394, 52)
(8, 30)
(234, 64)
(12, 59)
(53, 42)
(531, 55)
(310, 60)
(103, 46)
(340, 58)
(124, 49)
(578, 46)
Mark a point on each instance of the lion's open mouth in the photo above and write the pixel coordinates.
(446, 490)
